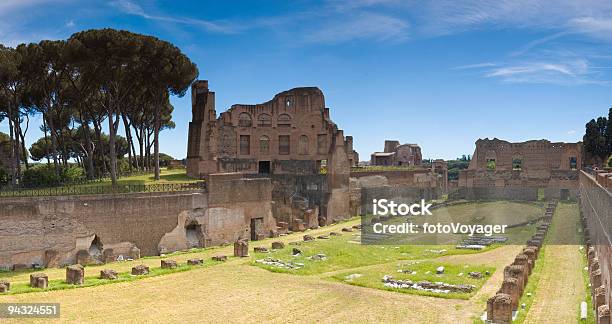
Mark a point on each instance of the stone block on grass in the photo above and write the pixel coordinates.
(168, 264)
(39, 280)
(109, 274)
(140, 270)
(75, 274)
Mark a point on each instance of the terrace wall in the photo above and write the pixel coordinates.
(50, 231)
(596, 207)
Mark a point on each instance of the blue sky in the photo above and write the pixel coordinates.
(438, 73)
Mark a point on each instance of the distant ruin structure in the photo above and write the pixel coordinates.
(508, 170)
(396, 154)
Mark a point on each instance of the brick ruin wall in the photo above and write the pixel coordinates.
(50, 231)
(520, 170)
(596, 208)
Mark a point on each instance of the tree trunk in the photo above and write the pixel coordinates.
(53, 145)
(111, 144)
(88, 151)
(128, 136)
(12, 143)
(46, 139)
(24, 150)
(156, 148)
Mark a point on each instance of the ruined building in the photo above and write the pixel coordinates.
(398, 155)
(290, 134)
(289, 139)
(525, 167)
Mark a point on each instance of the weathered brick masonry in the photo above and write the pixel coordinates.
(51, 231)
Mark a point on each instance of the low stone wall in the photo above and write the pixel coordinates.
(596, 210)
(59, 227)
(493, 193)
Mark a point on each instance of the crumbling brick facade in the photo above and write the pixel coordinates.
(290, 134)
(503, 166)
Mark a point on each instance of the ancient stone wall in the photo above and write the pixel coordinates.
(596, 209)
(495, 193)
(51, 231)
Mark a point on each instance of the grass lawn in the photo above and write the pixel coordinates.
(345, 255)
(455, 274)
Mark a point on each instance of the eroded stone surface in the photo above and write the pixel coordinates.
(140, 270)
(75, 274)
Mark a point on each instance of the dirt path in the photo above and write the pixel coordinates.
(560, 289)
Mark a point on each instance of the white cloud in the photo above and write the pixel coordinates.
(360, 26)
(600, 27)
(132, 8)
(571, 132)
(475, 66)
(563, 72)
(70, 24)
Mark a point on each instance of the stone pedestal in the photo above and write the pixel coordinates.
(220, 258)
(599, 296)
(6, 283)
(511, 288)
(75, 274)
(3, 288)
(596, 278)
(278, 245)
(520, 273)
(140, 270)
(195, 261)
(523, 260)
(168, 264)
(282, 227)
(298, 225)
(109, 274)
(241, 248)
(311, 218)
(499, 309)
(39, 280)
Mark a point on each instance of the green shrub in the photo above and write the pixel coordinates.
(44, 175)
(72, 174)
(39, 175)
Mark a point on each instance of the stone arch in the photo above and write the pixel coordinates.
(284, 120)
(245, 120)
(96, 247)
(517, 162)
(491, 159)
(264, 120)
